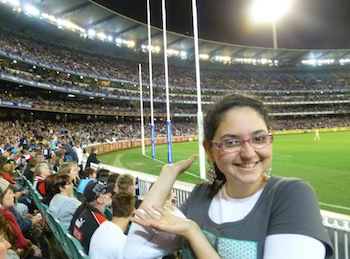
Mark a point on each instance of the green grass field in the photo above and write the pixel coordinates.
(324, 164)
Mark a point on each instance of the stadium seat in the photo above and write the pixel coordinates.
(78, 251)
(35, 195)
(77, 194)
(59, 231)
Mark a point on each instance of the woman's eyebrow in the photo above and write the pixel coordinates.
(230, 135)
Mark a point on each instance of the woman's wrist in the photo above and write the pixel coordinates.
(192, 230)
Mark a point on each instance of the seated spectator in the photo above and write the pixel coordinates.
(62, 203)
(19, 193)
(70, 168)
(90, 215)
(103, 174)
(89, 175)
(29, 171)
(92, 157)
(31, 227)
(39, 157)
(126, 182)
(42, 171)
(69, 154)
(7, 240)
(56, 160)
(49, 189)
(2, 148)
(109, 239)
(112, 178)
(9, 172)
(23, 247)
(2, 161)
(13, 157)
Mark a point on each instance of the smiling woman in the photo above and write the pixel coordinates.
(243, 211)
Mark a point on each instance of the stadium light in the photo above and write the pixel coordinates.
(91, 33)
(204, 56)
(12, 2)
(31, 10)
(270, 11)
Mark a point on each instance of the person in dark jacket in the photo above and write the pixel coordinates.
(93, 157)
(69, 153)
(24, 224)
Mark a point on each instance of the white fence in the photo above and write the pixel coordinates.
(337, 225)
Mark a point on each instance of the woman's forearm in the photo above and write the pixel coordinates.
(199, 243)
(161, 188)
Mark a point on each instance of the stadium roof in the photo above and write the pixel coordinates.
(90, 15)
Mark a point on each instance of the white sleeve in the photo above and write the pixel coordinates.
(291, 246)
(147, 243)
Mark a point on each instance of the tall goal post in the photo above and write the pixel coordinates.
(168, 122)
(141, 108)
(150, 77)
(199, 100)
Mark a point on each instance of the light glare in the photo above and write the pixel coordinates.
(269, 10)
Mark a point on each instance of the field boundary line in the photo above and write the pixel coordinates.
(282, 155)
(334, 206)
(165, 163)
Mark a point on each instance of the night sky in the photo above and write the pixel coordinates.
(309, 24)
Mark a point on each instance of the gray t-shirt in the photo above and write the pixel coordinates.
(286, 206)
(64, 208)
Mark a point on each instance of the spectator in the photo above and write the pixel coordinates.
(69, 154)
(7, 240)
(92, 157)
(56, 160)
(39, 157)
(13, 158)
(109, 239)
(20, 194)
(9, 172)
(90, 215)
(126, 182)
(103, 174)
(23, 247)
(42, 171)
(241, 204)
(78, 149)
(71, 169)
(112, 178)
(63, 204)
(89, 175)
(29, 171)
(50, 189)
(2, 148)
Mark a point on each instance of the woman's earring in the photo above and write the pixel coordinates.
(267, 173)
(212, 173)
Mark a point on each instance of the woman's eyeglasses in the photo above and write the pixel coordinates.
(233, 145)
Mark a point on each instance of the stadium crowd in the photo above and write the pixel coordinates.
(70, 191)
(62, 101)
(116, 69)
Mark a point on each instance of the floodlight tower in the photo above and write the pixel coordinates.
(271, 11)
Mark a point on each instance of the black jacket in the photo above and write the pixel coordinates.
(84, 224)
(92, 159)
